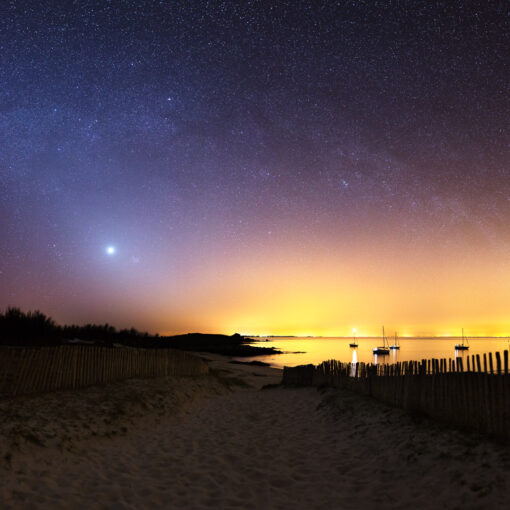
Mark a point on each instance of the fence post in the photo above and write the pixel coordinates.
(498, 363)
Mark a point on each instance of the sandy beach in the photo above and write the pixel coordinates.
(236, 440)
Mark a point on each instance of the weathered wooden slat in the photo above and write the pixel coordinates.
(498, 363)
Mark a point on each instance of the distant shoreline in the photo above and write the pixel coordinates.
(255, 337)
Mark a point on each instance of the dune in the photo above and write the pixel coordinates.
(237, 440)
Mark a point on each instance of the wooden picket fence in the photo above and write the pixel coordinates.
(474, 396)
(35, 370)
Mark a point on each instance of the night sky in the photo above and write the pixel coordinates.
(300, 167)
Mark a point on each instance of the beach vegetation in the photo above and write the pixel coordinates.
(34, 328)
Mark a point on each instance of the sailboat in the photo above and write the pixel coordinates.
(395, 345)
(353, 343)
(464, 346)
(385, 349)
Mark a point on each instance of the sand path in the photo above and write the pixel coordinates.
(275, 448)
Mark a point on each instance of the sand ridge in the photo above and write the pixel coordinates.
(245, 447)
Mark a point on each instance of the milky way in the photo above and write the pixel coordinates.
(258, 166)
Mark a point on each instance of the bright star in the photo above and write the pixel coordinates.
(111, 250)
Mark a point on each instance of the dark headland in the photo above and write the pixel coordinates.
(23, 329)
(234, 345)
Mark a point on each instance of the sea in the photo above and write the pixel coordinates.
(302, 351)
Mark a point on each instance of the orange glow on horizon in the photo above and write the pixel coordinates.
(312, 283)
(318, 292)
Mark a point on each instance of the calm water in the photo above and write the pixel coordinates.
(300, 351)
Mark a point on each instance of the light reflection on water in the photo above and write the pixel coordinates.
(301, 351)
(353, 361)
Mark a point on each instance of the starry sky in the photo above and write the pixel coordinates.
(284, 167)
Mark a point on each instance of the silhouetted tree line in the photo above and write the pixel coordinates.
(19, 328)
(35, 328)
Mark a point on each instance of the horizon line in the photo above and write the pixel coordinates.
(350, 337)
